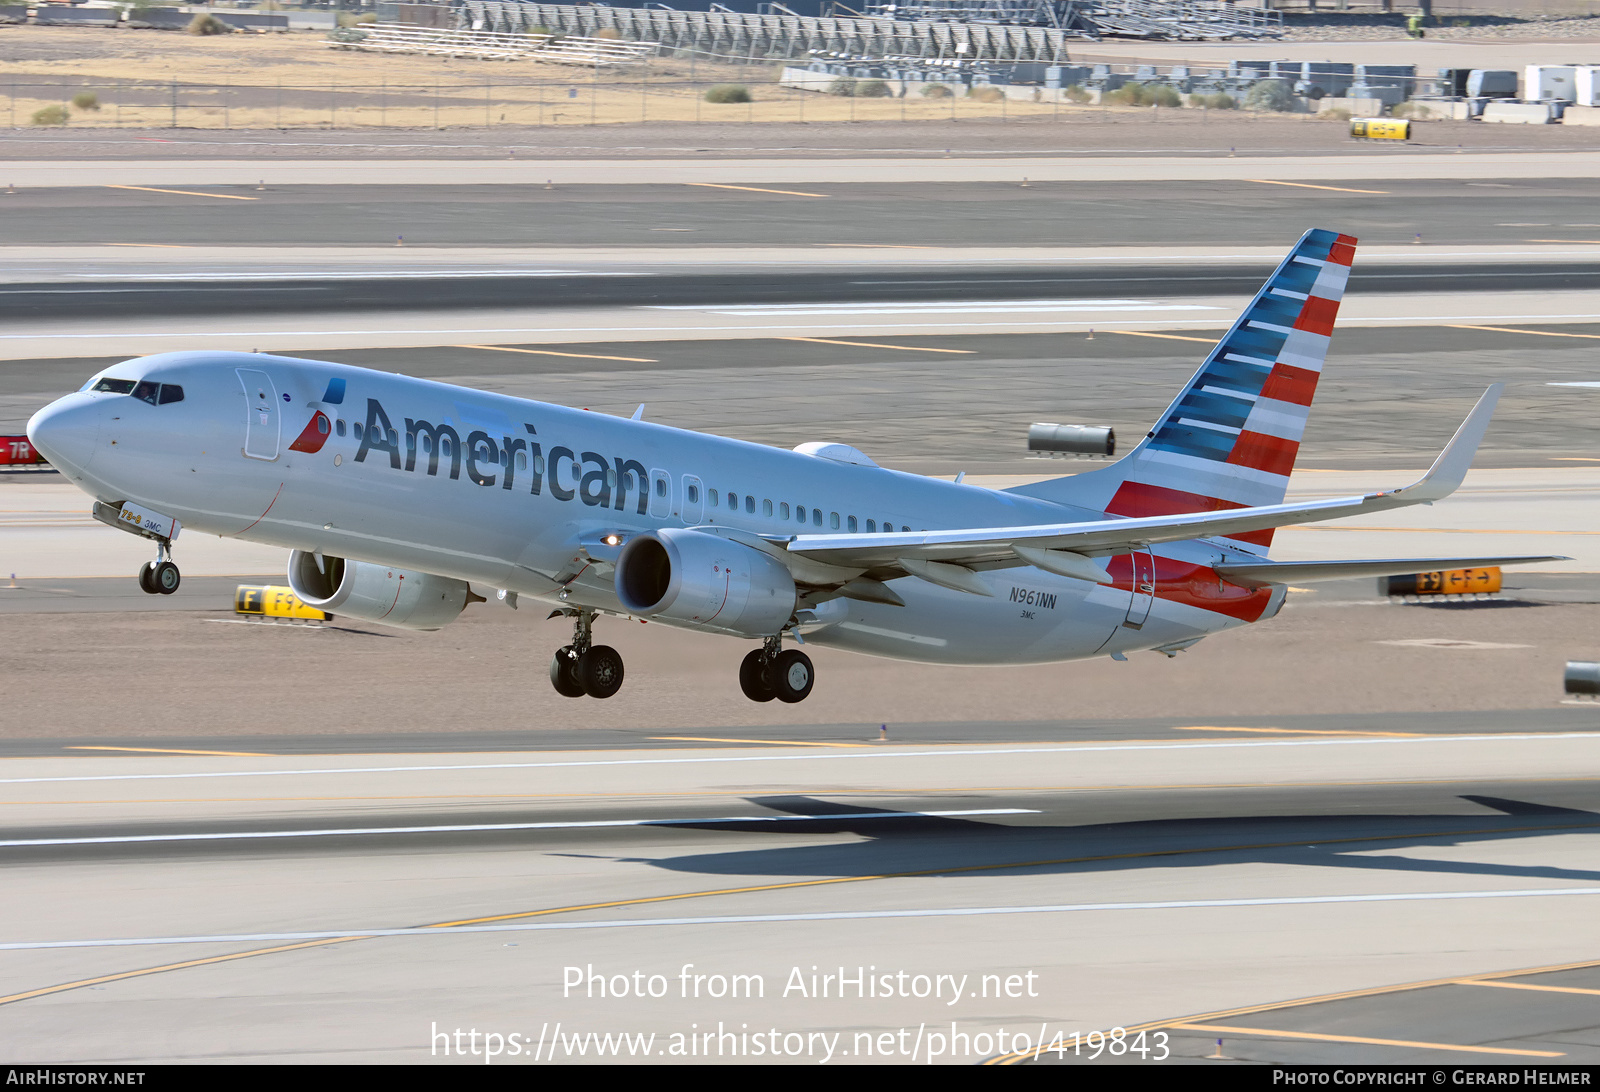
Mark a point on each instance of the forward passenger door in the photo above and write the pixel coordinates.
(261, 431)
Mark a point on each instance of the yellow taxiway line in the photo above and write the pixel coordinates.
(1321, 1038)
(552, 352)
(753, 189)
(1309, 186)
(187, 193)
(875, 345)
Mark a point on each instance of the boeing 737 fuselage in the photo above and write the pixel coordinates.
(395, 495)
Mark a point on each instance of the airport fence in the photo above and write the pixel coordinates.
(582, 98)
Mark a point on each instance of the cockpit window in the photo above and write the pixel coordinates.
(157, 394)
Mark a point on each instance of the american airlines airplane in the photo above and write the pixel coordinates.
(396, 495)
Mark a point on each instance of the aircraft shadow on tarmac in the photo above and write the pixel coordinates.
(880, 841)
(945, 844)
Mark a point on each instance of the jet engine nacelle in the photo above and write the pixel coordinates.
(377, 593)
(705, 580)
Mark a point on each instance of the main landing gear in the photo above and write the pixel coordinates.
(161, 576)
(583, 667)
(775, 672)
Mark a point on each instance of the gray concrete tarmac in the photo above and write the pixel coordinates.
(555, 289)
(1353, 796)
(351, 907)
(1391, 396)
(1493, 206)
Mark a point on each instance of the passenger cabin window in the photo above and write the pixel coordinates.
(712, 493)
(338, 426)
(799, 513)
(850, 525)
(661, 487)
(733, 501)
(694, 494)
(872, 526)
(833, 520)
(783, 510)
(750, 505)
(816, 518)
(766, 508)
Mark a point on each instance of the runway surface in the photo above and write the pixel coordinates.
(940, 403)
(467, 291)
(1452, 202)
(248, 914)
(1387, 164)
(239, 841)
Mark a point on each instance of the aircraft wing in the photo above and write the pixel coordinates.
(1065, 547)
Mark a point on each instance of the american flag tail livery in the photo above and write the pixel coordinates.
(1230, 438)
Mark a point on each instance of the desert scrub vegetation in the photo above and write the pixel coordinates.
(86, 101)
(1218, 101)
(986, 94)
(872, 89)
(51, 115)
(1270, 95)
(1143, 94)
(936, 91)
(206, 25)
(728, 92)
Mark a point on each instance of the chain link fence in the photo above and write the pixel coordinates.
(582, 98)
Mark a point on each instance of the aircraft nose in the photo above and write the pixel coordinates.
(67, 431)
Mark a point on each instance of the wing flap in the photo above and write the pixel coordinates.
(1306, 572)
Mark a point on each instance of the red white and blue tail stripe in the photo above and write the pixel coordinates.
(1230, 438)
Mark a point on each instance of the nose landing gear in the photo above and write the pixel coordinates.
(161, 576)
(774, 672)
(583, 667)
(158, 577)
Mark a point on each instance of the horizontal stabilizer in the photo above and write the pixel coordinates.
(1306, 572)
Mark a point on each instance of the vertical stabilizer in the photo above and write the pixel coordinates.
(1230, 438)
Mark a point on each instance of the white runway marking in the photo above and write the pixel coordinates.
(944, 307)
(837, 915)
(631, 333)
(364, 274)
(814, 756)
(480, 827)
(1445, 642)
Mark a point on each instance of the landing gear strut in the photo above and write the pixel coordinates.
(583, 667)
(161, 576)
(774, 672)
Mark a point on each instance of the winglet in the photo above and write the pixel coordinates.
(1450, 468)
